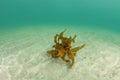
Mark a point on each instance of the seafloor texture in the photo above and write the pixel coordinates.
(23, 55)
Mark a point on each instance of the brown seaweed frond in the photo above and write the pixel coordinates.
(63, 48)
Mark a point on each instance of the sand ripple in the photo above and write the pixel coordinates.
(24, 57)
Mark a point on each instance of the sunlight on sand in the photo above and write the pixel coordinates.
(23, 56)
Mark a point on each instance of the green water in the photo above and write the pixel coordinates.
(27, 29)
(101, 14)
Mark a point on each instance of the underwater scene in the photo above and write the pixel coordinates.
(60, 40)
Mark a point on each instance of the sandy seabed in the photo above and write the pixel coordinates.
(23, 55)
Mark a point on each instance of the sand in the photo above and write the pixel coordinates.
(23, 55)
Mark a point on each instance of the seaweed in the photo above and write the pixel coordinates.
(63, 48)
